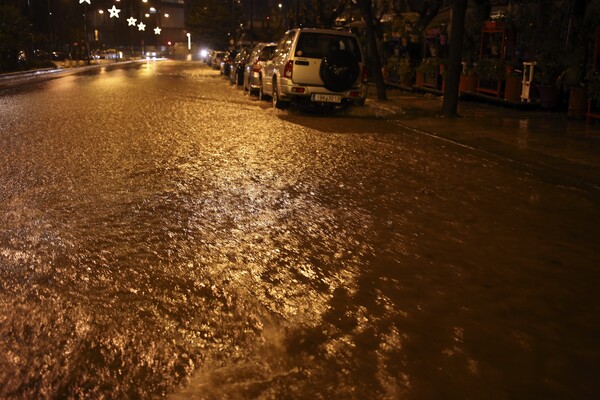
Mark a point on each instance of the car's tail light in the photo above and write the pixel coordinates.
(256, 66)
(365, 74)
(288, 69)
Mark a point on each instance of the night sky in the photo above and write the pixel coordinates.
(263, 7)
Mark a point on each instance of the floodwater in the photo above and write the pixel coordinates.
(162, 234)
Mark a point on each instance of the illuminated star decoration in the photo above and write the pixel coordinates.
(141, 26)
(85, 1)
(157, 31)
(131, 21)
(114, 11)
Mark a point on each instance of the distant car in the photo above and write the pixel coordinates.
(112, 54)
(236, 73)
(41, 54)
(59, 55)
(253, 72)
(316, 66)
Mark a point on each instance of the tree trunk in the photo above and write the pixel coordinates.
(450, 104)
(367, 13)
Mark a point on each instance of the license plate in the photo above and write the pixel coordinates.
(326, 98)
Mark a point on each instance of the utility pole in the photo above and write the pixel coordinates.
(251, 17)
(50, 48)
(85, 33)
(231, 35)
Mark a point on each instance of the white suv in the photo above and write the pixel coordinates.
(316, 66)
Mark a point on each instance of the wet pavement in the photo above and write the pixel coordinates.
(546, 138)
(161, 233)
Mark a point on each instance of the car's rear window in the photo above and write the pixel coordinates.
(266, 53)
(317, 45)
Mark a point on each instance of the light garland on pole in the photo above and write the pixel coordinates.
(114, 12)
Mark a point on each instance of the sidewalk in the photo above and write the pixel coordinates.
(544, 140)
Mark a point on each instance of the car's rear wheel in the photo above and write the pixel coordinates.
(261, 92)
(339, 70)
(251, 91)
(275, 100)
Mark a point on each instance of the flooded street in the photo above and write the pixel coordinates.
(163, 234)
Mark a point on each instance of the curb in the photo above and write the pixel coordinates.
(13, 79)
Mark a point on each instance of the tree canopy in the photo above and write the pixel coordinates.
(14, 36)
(214, 22)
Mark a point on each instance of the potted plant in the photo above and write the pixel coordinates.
(428, 66)
(468, 78)
(399, 69)
(490, 71)
(420, 77)
(548, 70)
(406, 71)
(593, 91)
(513, 84)
(571, 82)
(433, 69)
(428, 70)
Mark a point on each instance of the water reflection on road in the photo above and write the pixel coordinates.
(161, 230)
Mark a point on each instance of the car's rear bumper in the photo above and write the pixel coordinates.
(254, 81)
(318, 94)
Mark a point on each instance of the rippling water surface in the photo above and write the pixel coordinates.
(161, 233)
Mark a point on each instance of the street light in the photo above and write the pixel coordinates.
(50, 48)
(189, 37)
(97, 25)
(85, 23)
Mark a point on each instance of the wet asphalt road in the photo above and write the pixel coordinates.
(163, 234)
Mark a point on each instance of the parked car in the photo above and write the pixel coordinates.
(316, 66)
(257, 61)
(227, 61)
(236, 73)
(59, 56)
(216, 58)
(41, 55)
